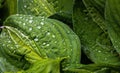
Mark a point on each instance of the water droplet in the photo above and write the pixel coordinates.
(17, 46)
(60, 11)
(30, 21)
(55, 42)
(48, 33)
(53, 36)
(42, 19)
(44, 43)
(20, 22)
(99, 51)
(17, 14)
(68, 32)
(48, 45)
(39, 27)
(21, 17)
(26, 19)
(24, 24)
(36, 39)
(3, 45)
(31, 17)
(25, 6)
(7, 45)
(11, 47)
(13, 51)
(105, 59)
(30, 29)
(42, 23)
(9, 41)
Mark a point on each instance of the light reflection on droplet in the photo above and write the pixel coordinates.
(30, 21)
(30, 29)
(25, 6)
(48, 33)
(99, 51)
(24, 24)
(48, 45)
(36, 39)
(42, 23)
(53, 36)
(39, 27)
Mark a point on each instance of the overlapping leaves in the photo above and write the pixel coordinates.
(96, 22)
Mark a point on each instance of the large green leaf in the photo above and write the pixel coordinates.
(95, 43)
(17, 49)
(113, 24)
(53, 38)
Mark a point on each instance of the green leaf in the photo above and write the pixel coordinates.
(96, 11)
(6, 66)
(22, 49)
(39, 7)
(53, 38)
(113, 24)
(45, 66)
(17, 49)
(22, 45)
(92, 68)
(95, 43)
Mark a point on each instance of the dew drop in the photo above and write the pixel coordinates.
(3, 45)
(60, 11)
(17, 46)
(9, 41)
(26, 19)
(7, 45)
(39, 27)
(53, 36)
(48, 33)
(11, 47)
(42, 23)
(42, 19)
(24, 24)
(36, 39)
(99, 51)
(13, 51)
(21, 17)
(30, 21)
(30, 29)
(105, 59)
(31, 17)
(20, 22)
(44, 43)
(17, 14)
(68, 32)
(25, 6)
(55, 42)
(48, 45)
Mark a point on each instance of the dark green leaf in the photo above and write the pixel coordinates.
(95, 43)
(113, 24)
(96, 11)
